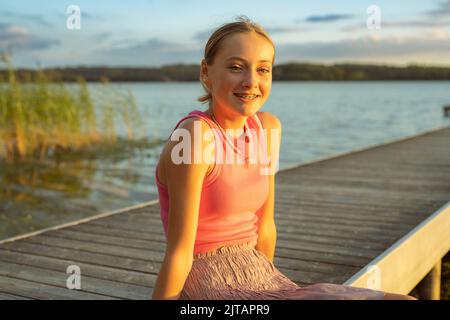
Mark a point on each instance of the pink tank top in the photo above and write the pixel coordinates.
(231, 195)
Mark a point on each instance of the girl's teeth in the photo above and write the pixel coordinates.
(246, 97)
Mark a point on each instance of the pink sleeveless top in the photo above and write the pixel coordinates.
(231, 194)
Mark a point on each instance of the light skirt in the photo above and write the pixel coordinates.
(241, 272)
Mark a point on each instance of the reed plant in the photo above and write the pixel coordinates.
(41, 115)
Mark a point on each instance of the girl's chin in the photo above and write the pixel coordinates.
(247, 110)
(243, 109)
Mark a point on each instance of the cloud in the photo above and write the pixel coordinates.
(203, 36)
(399, 24)
(414, 23)
(372, 48)
(10, 32)
(101, 36)
(34, 18)
(438, 33)
(443, 10)
(17, 38)
(85, 15)
(151, 51)
(432, 19)
(332, 17)
(284, 30)
(368, 48)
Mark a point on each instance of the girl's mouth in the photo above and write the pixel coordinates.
(246, 97)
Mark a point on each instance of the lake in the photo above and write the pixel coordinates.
(319, 119)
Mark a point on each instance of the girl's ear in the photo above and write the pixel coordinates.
(204, 73)
(204, 70)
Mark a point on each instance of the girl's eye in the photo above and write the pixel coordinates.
(235, 68)
(238, 68)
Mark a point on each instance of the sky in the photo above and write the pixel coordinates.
(152, 33)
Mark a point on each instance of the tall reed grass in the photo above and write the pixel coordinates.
(41, 115)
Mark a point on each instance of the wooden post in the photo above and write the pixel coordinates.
(430, 286)
(447, 111)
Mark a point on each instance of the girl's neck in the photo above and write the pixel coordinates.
(227, 121)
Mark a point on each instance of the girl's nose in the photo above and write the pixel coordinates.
(250, 80)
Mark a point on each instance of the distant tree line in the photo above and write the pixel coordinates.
(282, 72)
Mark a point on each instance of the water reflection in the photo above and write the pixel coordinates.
(39, 194)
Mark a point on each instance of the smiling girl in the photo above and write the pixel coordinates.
(219, 217)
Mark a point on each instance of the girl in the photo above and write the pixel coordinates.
(218, 216)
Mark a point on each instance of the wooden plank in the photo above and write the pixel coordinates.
(363, 214)
(303, 264)
(294, 214)
(329, 177)
(36, 290)
(111, 240)
(49, 246)
(131, 227)
(143, 244)
(297, 227)
(327, 222)
(281, 243)
(93, 258)
(152, 255)
(346, 227)
(362, 192)
(388, 199)
(343, 242)
(351, 242)
(327, 247)
(85, 220)
(103, 230)
(307, 203)
(92, 270)
(345, 202)
(147, 225)
(354, 220)
(304, 277)
(351, 171)
(311, 230)
(130, 277)
(327, 257)
(113, 250)
(93, 288)
(155, 233)
(8, 296)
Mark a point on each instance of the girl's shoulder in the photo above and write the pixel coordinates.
(185, 142)
(191, 127)
(268, 120)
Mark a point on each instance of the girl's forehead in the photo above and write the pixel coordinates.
(246, 46)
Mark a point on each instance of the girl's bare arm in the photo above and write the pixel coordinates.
(184, 182)
(267, 232)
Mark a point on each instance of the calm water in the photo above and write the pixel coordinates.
(319, 119)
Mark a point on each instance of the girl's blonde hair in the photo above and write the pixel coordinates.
(243, 24)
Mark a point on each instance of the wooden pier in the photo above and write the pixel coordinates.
(377, 217)
(446, 110)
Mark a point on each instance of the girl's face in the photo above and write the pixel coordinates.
(240, 77)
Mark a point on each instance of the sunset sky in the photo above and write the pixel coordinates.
(161, 32)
